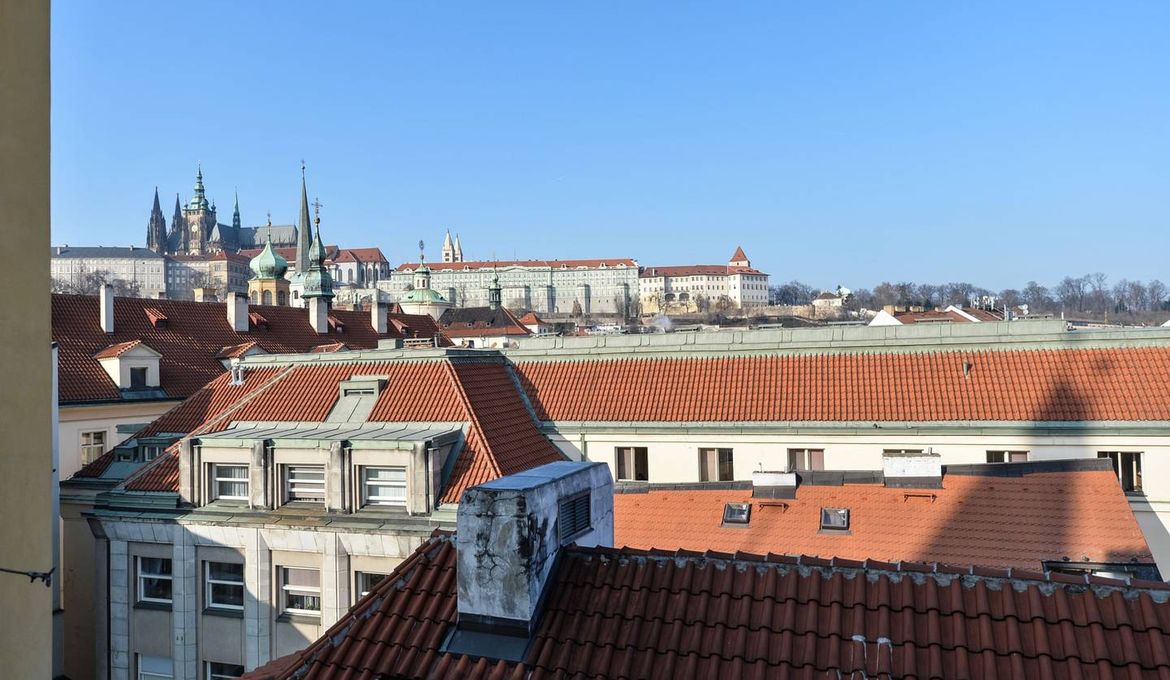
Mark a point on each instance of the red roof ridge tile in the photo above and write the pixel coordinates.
(117, 349)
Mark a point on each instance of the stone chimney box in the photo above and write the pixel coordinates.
(237, 312)
(318, 315)
(767, 484)
(508, 533)
(106, 306)
(913, 469)
(378, 316)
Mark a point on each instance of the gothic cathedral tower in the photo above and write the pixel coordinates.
(156, 228)
(200, 218)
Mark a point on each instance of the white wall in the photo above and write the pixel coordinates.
(77, 419)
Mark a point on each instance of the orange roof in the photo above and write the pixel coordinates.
(117, 349)
(738, 254)
(235, 351)
(501, 436)
(531, 319)
(369, 255)
(635, 614)
(192, 339)
(1127, 384)
(554, 264)
(986, 518)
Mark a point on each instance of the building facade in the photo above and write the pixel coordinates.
(703, 287)
(74, 268)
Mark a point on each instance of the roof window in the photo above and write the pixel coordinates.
(834, 519)
(737, 513)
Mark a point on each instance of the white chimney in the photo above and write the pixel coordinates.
(914, 469)
(319, 315)
(508, 533)
(768, 484)
(378, 316)
(237, 312)
(107, 307)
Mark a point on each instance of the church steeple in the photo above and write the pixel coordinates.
(236, 217)
(156, 228)
(448, 249)
(495, 297)
(199, 200)
(304, 229)
(318, 282)
(178, 234)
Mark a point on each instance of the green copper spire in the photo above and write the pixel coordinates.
(494, 292)
(199, 200)
(318, 282)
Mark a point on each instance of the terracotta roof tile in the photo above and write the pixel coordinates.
(235, 351)
(117, 349)
(1124, 384)
(994, 521)
(636, 614)
(194, 334)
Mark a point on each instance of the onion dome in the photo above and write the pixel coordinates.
(268, 264)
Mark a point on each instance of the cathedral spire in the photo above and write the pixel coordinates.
(318, 282)
(156, 228)
(236, 216)
(304, 229)
(199, 200)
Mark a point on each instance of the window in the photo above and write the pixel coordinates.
(300, 591)
(155, 668)
(632, 464)
(224, 585)
(834, 519)
(137, 378)
(573, 516)
(223, 671)
(800, 460)
(230, 482)
(154, 579)
(304, 483)
(365, 581)
(1007, 456)
(1128, 467)
(737, 513)
(715, 465)
(93, 445)
(384, 486)
(151, 452)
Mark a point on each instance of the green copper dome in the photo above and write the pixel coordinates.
(268, 264)
(423, 296)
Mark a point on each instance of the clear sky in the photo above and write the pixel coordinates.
(840, 143)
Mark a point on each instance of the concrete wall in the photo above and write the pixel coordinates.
(26, 635)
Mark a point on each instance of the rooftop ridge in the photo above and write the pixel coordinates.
(364, 356)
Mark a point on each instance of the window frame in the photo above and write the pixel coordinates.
(719, 464)
(152, 675)
(91, 446)
(209, 592)
(368, 500)
(287, 482)
(1133, 469)
(211, 674)
(360, 588)
(1007, 455)
(808, 458)
(836, 512)
(287, 591)
(140, 576)
(216, 480)
(636, 453)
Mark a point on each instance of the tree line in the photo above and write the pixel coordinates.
(1088, 295)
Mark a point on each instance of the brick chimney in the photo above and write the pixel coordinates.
(378, 316)
(508, 534)
(237, 312)
(106, 296)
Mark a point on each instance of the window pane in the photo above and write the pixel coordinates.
(156, 588)
(225, 595)
(225, 571)
(231, 471)
(386, 474)
(310, 603)
(302, 578)
(154, 566)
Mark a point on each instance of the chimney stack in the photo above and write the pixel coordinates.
(237, 312)
(319, 315)
(508, 533)
(912, 469)
(107, 307)
(378, 316)
(767, 484)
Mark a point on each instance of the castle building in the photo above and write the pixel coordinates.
(703, 287)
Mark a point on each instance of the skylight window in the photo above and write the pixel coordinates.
(737, 513)
(834, 519)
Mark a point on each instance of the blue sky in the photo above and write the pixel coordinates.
(838, 142)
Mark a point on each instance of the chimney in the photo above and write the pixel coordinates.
(508, 533)
(237, 312)
(378, 316)
(767, 484)
(912, 469)
(319, 315)
(107, 307)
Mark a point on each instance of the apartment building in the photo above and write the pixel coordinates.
(69, 266)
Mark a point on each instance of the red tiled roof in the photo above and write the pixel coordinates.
(117, 349)
(289, 253)
(555, 264)
(1012, 385)
(531, 319)
(330, 347)
(738, 254)
(501, 436)
(235, 351)
(155, 316)
(995, 521)
(696, 270)
(194, 335)
(373, 255)
(634, 614)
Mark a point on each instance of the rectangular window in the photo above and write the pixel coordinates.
(365, 581)
(1007, 456)
(801, 460)
(151, 452)
(632, 463)
(93, 445)
(155, 668)
(223, 671)
(834, 519)
(715, 465)
(224, 585)
(384, 486)
(1128, 467)
(304, 483)
(229, 482)
(137, 378)
(154, 579)
(300, 591)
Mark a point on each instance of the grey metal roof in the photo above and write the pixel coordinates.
(382, 432)
(254, 237)
(103, 251)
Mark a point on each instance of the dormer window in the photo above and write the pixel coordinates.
(131, 365)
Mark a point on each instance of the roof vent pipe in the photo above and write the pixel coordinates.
(107, 307)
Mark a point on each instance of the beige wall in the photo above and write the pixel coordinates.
(77, 419)
(26, 634)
